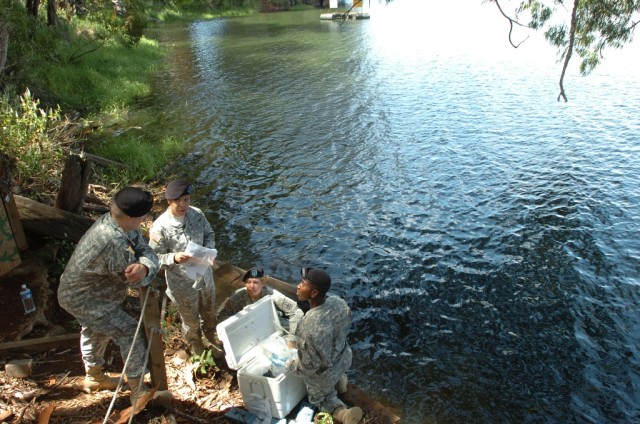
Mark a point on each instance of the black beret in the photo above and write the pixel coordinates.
(319, 278)
(177, 188)
(253, 273)
(134, 201)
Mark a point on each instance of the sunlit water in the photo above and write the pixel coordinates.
(485, 235)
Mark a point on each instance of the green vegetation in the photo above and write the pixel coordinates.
(67, 76)
(34, 137)
(203, 363)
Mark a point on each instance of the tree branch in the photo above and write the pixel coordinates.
(567, 56)
(511, 23)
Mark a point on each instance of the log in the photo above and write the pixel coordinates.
(74, 185)
(42, 344)
(40, 219)
(380, 413)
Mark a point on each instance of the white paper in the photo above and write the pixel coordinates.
(201, 259)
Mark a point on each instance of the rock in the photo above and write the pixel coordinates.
(19, 368)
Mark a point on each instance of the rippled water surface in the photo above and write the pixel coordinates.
(485, 235)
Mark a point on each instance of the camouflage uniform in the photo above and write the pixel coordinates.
(285, 306)
(93, 289)
(194, 299)
(323, 352)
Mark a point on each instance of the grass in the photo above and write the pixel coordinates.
(142, 158)
(111, 77)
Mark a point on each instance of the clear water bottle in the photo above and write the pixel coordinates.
(27, 299)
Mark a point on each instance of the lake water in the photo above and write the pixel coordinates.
(485, 235)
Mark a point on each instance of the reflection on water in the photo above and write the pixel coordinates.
(484, 234)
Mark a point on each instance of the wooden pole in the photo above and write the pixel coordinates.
(153, 330)
(74, 185)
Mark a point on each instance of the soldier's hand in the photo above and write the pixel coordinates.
(135, 273)
(181, 257)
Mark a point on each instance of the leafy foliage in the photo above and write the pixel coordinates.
(35, 138)
(599, 24)
(203, 362)
(323, 418)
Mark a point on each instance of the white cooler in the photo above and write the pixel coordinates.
(241, 336)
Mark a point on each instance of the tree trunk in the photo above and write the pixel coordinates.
(32, 7)
(75, 181)
(4, 44)
(52, 18)
(40, 219)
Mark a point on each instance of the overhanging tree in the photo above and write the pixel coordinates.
(584, 27)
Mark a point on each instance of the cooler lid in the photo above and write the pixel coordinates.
(242, 333)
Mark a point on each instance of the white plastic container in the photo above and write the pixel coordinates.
(242, 335)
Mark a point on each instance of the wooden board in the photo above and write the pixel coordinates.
(9, 254)
(42, 344)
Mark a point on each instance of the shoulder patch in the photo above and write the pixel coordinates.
(155, 236)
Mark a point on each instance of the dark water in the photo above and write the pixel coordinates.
(485, 235)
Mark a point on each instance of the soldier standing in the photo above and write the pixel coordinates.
(324, 355)
(169, 236)
(111, 257)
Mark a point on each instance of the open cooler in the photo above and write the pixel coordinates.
(260, 376)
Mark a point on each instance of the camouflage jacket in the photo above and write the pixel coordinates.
(93, 281)
(321, 339)
(169, 236)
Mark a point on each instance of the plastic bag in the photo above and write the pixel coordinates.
(275, 348)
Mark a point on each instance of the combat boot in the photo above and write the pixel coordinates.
(96, 379)
(137, 391)
(341, 385)
(348, 415)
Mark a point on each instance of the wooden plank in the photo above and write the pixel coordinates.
(42, 344)
(14, 220)
(157, 367)
(44, 220)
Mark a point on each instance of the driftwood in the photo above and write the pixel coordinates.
(75, 181)
(102, 161)
(43, 220)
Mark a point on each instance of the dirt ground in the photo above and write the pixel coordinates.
(53, 392)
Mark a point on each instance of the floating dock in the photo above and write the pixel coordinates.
(333, 16)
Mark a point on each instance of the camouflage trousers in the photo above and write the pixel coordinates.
(197, 308)
(322, 392)
(120, 327)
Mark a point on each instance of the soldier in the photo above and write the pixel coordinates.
(169, 236)
(111, 257)
(324, 355)
(255, 289)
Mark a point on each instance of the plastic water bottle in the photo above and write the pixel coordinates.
(27, 299)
